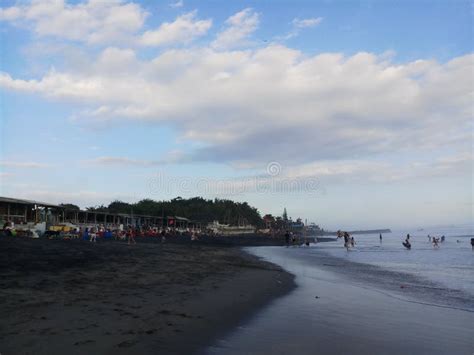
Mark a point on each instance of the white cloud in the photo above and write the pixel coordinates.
(10, 14)
(239, 27)
(23, 164)
(177, 4)
(184, 29)
(250, 106)
(307, 22)
(298, 25)
(92, 21)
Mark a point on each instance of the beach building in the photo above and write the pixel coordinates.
(21, 211)
(40, 216)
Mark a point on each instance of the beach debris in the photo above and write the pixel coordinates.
(316, 297)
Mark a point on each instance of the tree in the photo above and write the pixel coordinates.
(195, 208)
(69, 206)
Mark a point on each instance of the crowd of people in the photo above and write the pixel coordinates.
(111, 232)
(129, 233)
(349, 241)
(295, 239)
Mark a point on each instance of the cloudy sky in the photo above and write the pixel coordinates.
(347, 113)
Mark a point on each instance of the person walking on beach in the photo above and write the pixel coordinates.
(93, 236)
(131, 236)
(346, 241)
(435, 242)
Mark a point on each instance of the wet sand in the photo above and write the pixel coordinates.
(333, 311)
(73, 297)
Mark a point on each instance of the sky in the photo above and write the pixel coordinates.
(351, 114)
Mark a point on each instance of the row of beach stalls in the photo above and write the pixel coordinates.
(42, 216)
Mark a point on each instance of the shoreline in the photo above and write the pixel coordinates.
(334, 312)
(76, 297)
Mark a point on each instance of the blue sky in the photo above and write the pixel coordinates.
(349, 114)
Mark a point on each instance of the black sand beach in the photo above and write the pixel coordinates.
(75, 297)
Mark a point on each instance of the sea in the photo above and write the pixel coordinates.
(377, 298)
(450, 266)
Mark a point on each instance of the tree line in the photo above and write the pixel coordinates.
(195, 208)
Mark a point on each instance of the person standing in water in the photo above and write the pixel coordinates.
(287, 239)
(472, 243)
(346, 240)
(352, 242)
(429, 238)
(407, 243)
(380, 237)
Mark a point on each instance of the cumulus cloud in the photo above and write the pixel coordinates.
(248, 106)
(184, 29)
(239, 27)
(253, 105)
(92, 21)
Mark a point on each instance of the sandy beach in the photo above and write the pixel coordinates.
(75, 297)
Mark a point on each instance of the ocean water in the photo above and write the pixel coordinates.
(378, 298)
(450, 266)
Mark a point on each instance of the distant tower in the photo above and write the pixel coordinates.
(285, 215)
